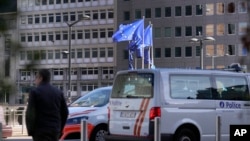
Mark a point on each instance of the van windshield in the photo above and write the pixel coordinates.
(133, 85)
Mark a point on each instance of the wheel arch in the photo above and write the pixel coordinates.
(189, 126)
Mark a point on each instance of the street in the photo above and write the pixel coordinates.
(25, 138)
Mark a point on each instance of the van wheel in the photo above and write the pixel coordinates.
(185, 135)
(99, 133)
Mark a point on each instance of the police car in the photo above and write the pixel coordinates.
(93, 108)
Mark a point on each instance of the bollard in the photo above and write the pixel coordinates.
(1, 129)
(157, 134)
(218, 126)
(84, 130)
(23, 121)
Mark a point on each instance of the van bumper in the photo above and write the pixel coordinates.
(168, 137)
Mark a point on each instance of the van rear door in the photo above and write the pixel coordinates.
(130, 104)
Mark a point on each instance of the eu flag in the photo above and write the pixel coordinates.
(125, 32)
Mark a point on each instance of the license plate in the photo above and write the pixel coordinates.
(128, 114)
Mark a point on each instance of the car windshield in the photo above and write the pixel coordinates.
(96, 98)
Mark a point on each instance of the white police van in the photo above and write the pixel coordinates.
(188, 103)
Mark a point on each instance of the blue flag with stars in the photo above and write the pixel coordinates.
(125, 32)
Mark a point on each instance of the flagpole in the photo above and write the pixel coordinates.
(152, 50)
(143, 45)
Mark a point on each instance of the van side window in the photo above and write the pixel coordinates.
(134, 85)
(190, 87)
(231, 88)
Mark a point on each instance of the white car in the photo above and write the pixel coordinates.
(93, 108)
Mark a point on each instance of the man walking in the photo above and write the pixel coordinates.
(47, 110)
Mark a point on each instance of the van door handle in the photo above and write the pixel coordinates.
(246, 104)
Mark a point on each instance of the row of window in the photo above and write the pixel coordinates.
(51, 2)
(30, 75)
(177, 11)
(75, 54)
(58, 17)
(210, 30)
(63, 35)
(189, 51)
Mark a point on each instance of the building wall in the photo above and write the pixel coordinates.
(43, 33)
(217, 14)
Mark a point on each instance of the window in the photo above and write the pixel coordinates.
(58, 1)
(188, 51)
(199, 9)
(86, 53)
(51, 36)
(79, 53)
(22, 55)
(29, 37)
(138, 14)
(51, 1)
(209, 9)
(73, 35)
(65, 17)
(242, 50)
(157, 32)
(102, 14)
(57, 54)
(177, 51)
(242, 27)
(58, 17)
(167, 11)
(58, 35)
(51, 18)
(157, 53)
(37, 37)
(231, 7)
(188, 10)
(110, 52)
(94, 33)
(87, 34)
(188, 31)
(79, 14)
(242, 7)
(231, 50)
(44, 2)
(210, 50)
(37, 19)
(167, 32)
(65, 35)
(94, 53)
(220, 8)
(220, 29)
(197, 51)
(157, 12)
(65, 1)
(23, 38)
(79, 34)
(43, 36)
(210, 30)
(44, 18)
(58, 72)
(73, 53)
(29, 55)
(110, 13)
(72, 16)
(231, 29)
(178, 31)
(23, 19)
(102, 33)
(110, 32)
(50, 54)
(168, 52)
(30, 19)
(147, 13)
(126, 16)
(198, 31)
(43, 55)
(220, 50)
(102, 53)
(190, 87)
(95, 15)
(178, 11)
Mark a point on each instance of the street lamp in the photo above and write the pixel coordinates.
(200, 40)
(85, 17)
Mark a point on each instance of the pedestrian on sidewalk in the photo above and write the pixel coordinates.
(47, 110)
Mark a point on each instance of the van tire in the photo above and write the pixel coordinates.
(185, 135)
(99, 131)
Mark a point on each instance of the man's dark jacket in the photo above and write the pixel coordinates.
(47, 110)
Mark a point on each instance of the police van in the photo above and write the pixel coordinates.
(188, 103)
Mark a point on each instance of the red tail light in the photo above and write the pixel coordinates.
(154, 112)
